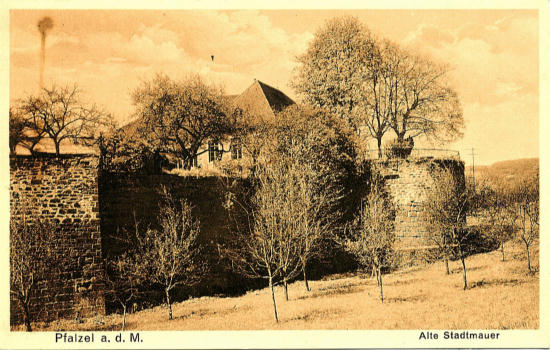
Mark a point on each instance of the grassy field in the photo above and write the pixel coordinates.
(501, 295)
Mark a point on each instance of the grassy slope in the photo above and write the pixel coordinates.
(501, 296)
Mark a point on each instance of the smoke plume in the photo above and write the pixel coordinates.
(44, 25)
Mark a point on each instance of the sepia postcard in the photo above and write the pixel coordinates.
(242, 174)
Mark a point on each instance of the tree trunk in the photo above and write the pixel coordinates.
(123, 316)
(56, 143)
(447, 266)
(273, 297)
(528, 257)
(464, 271)
(305, 278)
(381, 285)
(285, 284)
(502, 250)
(169, 303)
(27, 317)
(379, 141)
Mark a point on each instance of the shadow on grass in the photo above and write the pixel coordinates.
(402, 282)
(316, 315)
(522, 270)
(468, 269)
(336, 290)
(497, 282)
(208, 312)
(411, 299)
(338, 276)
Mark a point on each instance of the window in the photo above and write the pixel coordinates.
(236, 149)
(214, 152)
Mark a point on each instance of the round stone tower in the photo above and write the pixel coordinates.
(408, 181)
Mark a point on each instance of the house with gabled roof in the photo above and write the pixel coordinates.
(259, 100)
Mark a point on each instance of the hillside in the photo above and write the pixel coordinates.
(510, 171)
(501, 295)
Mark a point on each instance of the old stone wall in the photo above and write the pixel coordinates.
(127, 199)
(94, 214)
(63, 192)
(408, 182)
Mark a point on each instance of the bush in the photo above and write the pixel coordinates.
(122, 153)
(399, 148)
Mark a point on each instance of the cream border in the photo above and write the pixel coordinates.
(282, 339)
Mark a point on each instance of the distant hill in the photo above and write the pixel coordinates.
(508, 171)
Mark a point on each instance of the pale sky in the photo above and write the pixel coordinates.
(494, 55)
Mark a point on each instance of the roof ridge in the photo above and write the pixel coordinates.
(263, 93)
(272, 94)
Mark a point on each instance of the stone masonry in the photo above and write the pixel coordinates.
(66, 191)
(408, 181)
(63, 192)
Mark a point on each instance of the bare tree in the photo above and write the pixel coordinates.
(255, 252)
(372, 235)
(180, 116)
(528, 204)
(25, 130)
(31, 257)
(281, 236)
(169, 256)
(17, 127)
(59, 114)
(424, 103)
(445, 210)
(500, 220)
(316, 152)
(123, 280)
(378, 93)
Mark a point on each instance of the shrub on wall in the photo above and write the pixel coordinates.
(399, 148)
(121, 153)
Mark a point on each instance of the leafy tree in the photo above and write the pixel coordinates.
(58, 113)
(122, 152)
(180, 116)
(169, 256)
(372, 235)
(445, 209)
(254, 133)
(376, 85)
(335, 66)
(31, 257)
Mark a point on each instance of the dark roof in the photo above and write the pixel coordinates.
(262, 100)
(276, 98)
